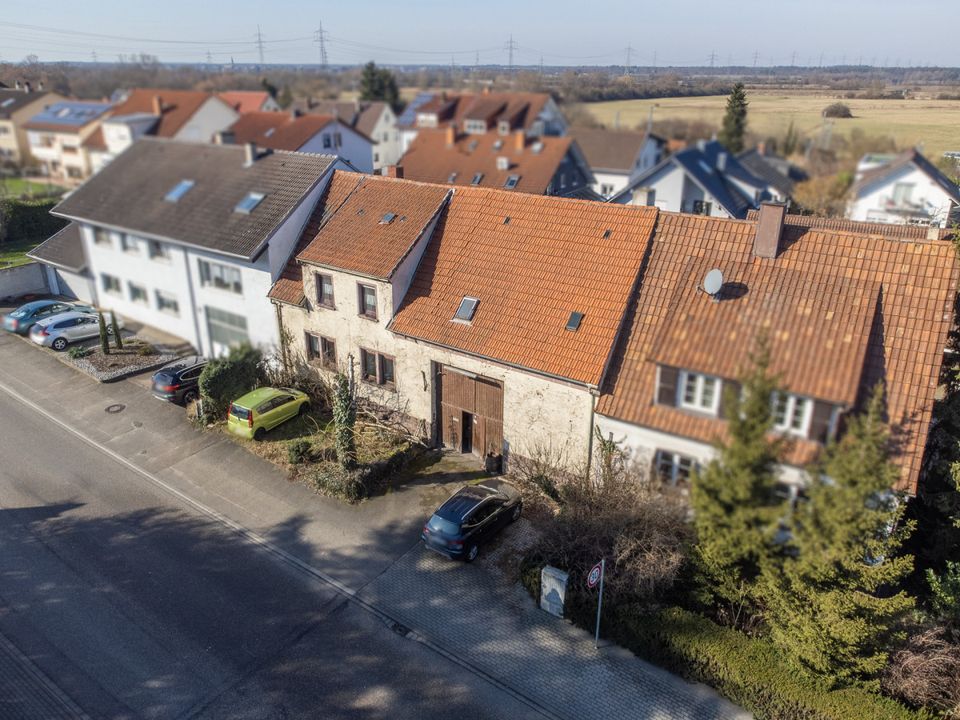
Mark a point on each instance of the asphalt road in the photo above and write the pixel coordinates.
(136, 605)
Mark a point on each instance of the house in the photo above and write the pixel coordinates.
(173, 114)
(244, 101)
(303, 133)
(842, 310)
(189, 237)
(535, 113)
(510, 160)
(703, 179)
(473, 312)
(17, 106)
(903, 189)
(56, 136)
(780, 174)
(614, 156)
(376, 120)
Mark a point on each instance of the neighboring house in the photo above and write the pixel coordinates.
(244, 101)
(17, 106)
(703, 179)
(615, 156)
(173, 114)
(56, 136)
(535, 113)
(905, 189)
(376, 120)
(779, 173)
(473, 312)
(510, 160)
(842, 311)
(303, 133)
(189, 237)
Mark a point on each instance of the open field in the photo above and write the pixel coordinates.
(18, 187)
(15, 253)
(935, 123)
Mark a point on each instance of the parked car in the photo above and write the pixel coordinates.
(61, 330)
(252, 415)
(470, 518)
(22, 319)
(179, 381)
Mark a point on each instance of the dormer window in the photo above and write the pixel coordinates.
(468, 306)
(511, 182)
(699, 392)
(476, 179)
(792, 413)
(178, 191)
(249, 203)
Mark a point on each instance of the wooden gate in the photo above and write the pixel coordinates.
(480, 401)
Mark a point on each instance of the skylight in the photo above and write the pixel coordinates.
(476, 179)
(249, 202)
(269, 132)
(511, 182)
(573, 324)
(7, 103)
(178, 191)
(452, 177)
(387, 218)
(468, 306)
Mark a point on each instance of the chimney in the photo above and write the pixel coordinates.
(766, 243)
(26, 86)
(393, 171)
(761, 148)
(294, 113)
(701, 145)
(249, 154)
(722, 161)
(519, 140)
(451, 134)
(157, 105)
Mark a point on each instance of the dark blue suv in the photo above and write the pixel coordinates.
(179, 381)
(470, 518)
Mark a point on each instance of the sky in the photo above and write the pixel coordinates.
(561, 32)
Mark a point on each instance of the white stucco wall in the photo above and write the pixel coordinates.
(285, 239)
(616, 181)
(933, 201)
(71, 284)
(355, 148)
(388, 148)
(212, 117)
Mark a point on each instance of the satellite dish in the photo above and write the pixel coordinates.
(713, 282)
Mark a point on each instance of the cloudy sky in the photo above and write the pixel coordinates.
(561, 32)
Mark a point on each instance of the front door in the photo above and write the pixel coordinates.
(466, 433)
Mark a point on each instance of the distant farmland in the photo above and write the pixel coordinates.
(935, 123)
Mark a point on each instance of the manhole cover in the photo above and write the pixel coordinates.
(115, 408)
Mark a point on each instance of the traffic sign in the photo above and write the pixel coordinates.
(594, 577)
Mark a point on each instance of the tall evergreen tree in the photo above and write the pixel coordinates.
(833, 605)
(735, 120)
(736, 512)
(379, 84)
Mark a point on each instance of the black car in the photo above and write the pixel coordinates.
(471, 517)
(178, 381)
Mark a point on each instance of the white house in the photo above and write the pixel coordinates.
(56, 136)
(905, 189)
(189, 237)
(375, 120)
(615, 156)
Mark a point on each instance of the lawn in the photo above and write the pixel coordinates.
(935, 123)
(14, 253)
(17, 187)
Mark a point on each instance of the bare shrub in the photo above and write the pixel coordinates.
(926, 673)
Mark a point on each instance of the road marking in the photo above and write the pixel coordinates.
(286, 557)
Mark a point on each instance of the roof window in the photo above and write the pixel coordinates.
(498, 143)
(506, 220)
(537, 147)
(178, 191)
(607, 233)
(468, 306)
(269, 132)
(473, 145)
(452, 177)
(387, 218)
(249, 203)
(573, 324)
(7, 103)
(511, 182)
(476, 179)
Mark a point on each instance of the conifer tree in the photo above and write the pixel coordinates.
(104, 338)
(834, 604)
(735, 120)
(117, 339)
(735, 509)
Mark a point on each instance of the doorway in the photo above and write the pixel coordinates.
(466, 433)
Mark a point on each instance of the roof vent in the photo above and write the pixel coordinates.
(387, 218)
(249, 154)
(607, 233)
(473, 145)
(506, 220)
(537, 147)
(477, 179)
(467, 309)
(573, 323)
(503, 163)
(497, 144)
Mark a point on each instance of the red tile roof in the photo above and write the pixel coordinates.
(177, 107)
(278, 130)
(888, 230)
(531, 261)
(244, 101)
(521, 108)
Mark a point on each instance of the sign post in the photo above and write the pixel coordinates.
(596, 576)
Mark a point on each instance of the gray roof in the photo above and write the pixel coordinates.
(12, 100)
(882, 174)
(778, 172)
(62, 249)
(129, 193)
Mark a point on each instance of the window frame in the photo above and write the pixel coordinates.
(700, 382)
(789, 415)
(156, 250)
(115, 287)
(141, 289)
(362, 301)
(676, 459)
(129, 245)
(318, 279)
(101, 236)
(207, 276)
(378, 378)
(171, 299)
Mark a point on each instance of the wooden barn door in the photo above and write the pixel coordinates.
(479, 400)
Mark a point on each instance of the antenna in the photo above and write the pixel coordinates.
(713, 283)
(260, 44)
(320, 37)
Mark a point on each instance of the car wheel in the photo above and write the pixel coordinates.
(304, 409)
(189, 396)
(515, 515)
(60, 344)
(472, 553)
(259, 433)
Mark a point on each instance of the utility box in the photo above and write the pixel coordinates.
(553, 590)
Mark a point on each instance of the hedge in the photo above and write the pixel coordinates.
(28, 220)
(225, 379)
(750, 672)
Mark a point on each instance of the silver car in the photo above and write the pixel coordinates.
(61, 330)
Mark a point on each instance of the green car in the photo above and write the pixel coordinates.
(263, 409)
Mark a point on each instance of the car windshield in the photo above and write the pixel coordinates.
(239, 412)
(19, 313)
(439, 525)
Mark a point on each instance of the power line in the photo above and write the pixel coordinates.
(511, 46)
(260, 44)
(321, 37)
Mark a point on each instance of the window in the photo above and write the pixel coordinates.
(902, 193)
(338, 139)
(101, 236)
(167, 302)
(377, 368)
(367, 295)
(699, 392)
(178, 191)
(138, 293)
(220, 276)
(701, 207)
(386, 135)
(476, 179)
(325, 290)
(512, 182)
(323, 349)
(674, 468)
(376, 157)
(249, 202)
(452, 177)
(327, 142)
(129, 245)
(226, 329)
(606, 189)
(791, 414)
(110, 283)
(468, 306)
(157, 250)
(563, 180)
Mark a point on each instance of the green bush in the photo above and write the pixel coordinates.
(299, 451)
(225, 379)
(146, 349)
(28, 220)
(336, 481)
(77, 352)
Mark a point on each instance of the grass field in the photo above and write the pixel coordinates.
(935, 123)
(14, 253)
(16, 187)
